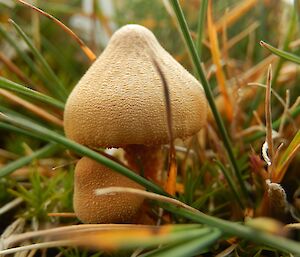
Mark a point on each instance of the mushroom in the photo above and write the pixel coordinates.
(119, 102)
(90, 208)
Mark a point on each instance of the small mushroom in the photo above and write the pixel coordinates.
(119, 102)
(90, 208)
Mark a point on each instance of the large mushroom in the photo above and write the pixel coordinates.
(119, 102)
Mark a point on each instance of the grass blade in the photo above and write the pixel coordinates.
(60, 91)
(136, 236)
(236, 229)
(287, 157)
(228, 227)
(209, 95)
(33, 108)
(11, 128)
(13, 86)
(268, 118)
(187, 248)
(283, 54)
(14, 113)
(15, 70)
(52, 136)
(275, 125)
(88, 52)
(287, 40)
(22, 54)
(230, 183)
(78, 229)
(11, 167)
(216, 58)
(200, 28)
(139, 237)
(236, 13)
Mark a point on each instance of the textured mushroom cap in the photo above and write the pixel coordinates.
(120, 100)
(90, 208)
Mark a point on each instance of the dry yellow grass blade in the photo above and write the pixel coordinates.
(216, 56)
(293, 226)
(267, 224)
(114, 239)
(257, 71)
(288, 72)
(236, 13)
(104, 240)
(227, 251)
(89, 53)
(62, 231)
(246, 32)
(25, 172)
(102, 236)
(31, 107)
(149, 195)
(105, 22)
(62, 214)
(8, 155)
(268, 117)
(34, 247)
(15, 69)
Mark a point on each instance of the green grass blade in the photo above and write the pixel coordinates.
(259, 94)
(59, 91)
(230, 183)
(275, 125)
(283, 54)
(14, 165)
(23, 55)
(239, 230)
(15, 113)
(11, 128)
(52, 136)
(200, 28)
(209, 95)
(171, 236)
(199, 202)
(13, 86)
(287, 40)
(187, 248)
(288, 155)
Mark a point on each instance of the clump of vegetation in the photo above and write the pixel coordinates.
(231, 190)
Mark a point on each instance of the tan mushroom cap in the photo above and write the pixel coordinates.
(120, 101)
(90, 208)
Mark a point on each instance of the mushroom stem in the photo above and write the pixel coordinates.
(146, 160)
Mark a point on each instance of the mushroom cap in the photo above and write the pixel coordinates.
(90, 208)
(120, 99)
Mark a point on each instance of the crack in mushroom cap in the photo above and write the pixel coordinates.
(120, 100)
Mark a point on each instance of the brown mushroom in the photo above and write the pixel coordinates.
(119, 102)
(115, 208)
